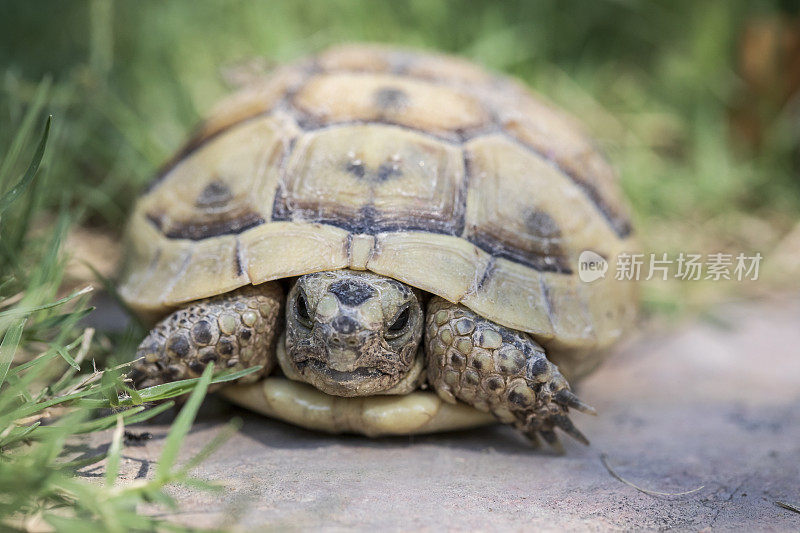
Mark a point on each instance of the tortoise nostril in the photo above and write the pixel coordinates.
(344, 324)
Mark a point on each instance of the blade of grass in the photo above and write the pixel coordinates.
(63, 320)
(68, 358)
(219, 439)
(27, 410)
(114, 454)
(86, 342)
(8, 347)
(41, 359)
(12, 194)
(165, 391)
(109, 390)
(604, 460)
(24, 129)
(789, 507)
(26, 311)
(18, 434)
(129, 416)
(169, 390)
(15, 386)
(182, 425)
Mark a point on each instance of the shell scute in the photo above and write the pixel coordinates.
(370, 178)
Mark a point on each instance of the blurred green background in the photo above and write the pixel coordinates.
(695, 102)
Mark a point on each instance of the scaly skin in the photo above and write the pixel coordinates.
(497, 370)
(235, 330)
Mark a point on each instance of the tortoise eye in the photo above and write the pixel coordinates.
(302, 307)
(400, 322)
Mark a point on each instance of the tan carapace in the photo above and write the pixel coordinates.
(418, 167)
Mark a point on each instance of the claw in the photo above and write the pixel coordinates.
(569, 428)
(566, 398)
(552, 439)
(535, 442)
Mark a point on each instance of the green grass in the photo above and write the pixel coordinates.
(47, 396)
(658, 83)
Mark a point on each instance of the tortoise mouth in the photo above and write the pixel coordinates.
(358, 373)
(360, 381)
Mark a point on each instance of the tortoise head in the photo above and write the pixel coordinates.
(352, 333)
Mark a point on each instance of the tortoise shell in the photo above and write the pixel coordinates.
(420, 167)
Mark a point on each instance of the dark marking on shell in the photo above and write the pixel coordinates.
(460, 203)
(352, 292)
(390, 98)
(541, 224)
(356, 168)
(237, 259)
(388, 170)
(385, 172)
(203, 229)
(348, 245)
(542, 250)
(548, 301)
(487, 273)
(215, 194)
(557, 262)
(156, 219)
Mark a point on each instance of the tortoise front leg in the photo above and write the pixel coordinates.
(235, 330)
(498, 370)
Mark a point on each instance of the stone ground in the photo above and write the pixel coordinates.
(715, 403)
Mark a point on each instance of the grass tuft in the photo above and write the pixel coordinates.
(49, 398)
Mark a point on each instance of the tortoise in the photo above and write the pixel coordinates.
(393, 236)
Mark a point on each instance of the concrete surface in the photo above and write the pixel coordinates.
(715, 403)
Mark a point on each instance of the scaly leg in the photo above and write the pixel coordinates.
(499, 370)
(235, 330)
